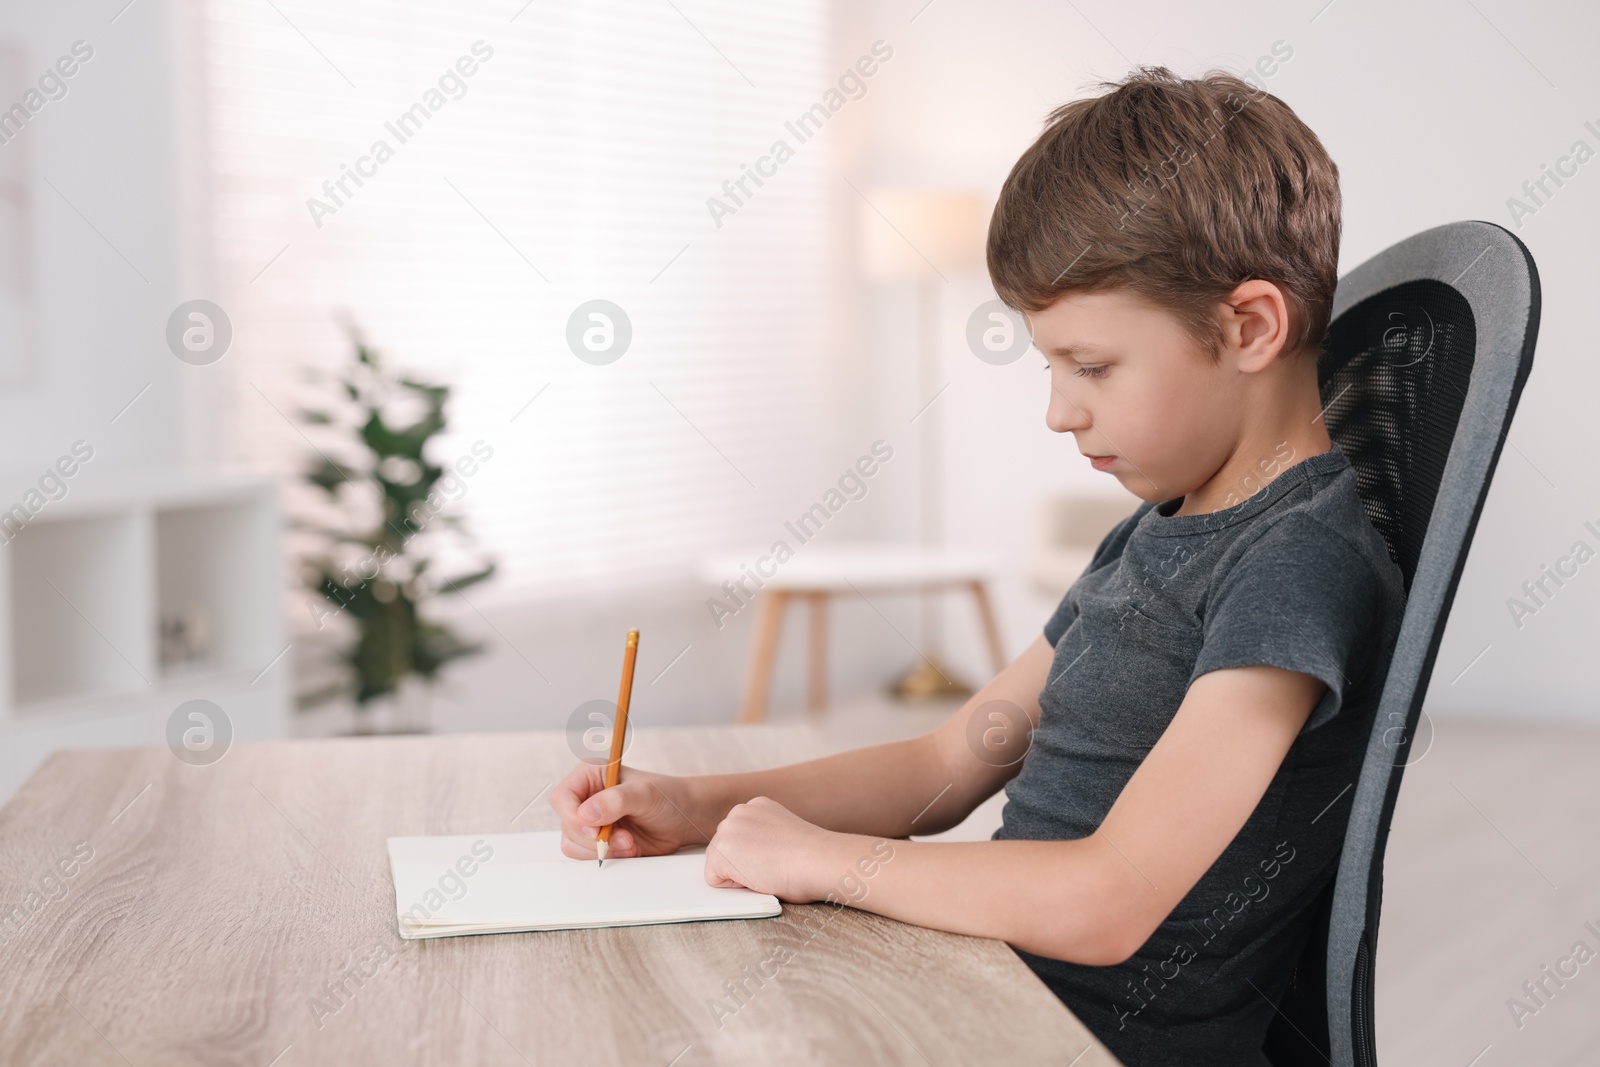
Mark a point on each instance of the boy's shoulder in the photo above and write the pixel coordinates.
(1321, 524)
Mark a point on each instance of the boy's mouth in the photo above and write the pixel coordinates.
(1101, 463)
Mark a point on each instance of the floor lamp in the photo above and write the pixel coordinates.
(925, 236)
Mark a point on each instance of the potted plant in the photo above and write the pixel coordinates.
(378, 536)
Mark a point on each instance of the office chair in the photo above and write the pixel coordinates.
(1429, 346)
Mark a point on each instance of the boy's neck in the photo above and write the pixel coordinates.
(1264, 455)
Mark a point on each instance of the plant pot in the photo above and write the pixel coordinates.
(407, 710)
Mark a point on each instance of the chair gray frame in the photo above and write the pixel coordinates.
(1332, 1011)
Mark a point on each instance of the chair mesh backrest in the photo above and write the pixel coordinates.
(1429, 347)
(1394, 378)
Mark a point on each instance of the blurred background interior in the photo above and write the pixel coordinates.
(601, 302)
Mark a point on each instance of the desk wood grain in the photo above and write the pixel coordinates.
(243, 913)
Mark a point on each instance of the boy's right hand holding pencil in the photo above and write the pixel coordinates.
(654, 814)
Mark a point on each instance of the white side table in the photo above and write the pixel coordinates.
(819, 572)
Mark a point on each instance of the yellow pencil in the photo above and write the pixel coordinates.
(619, 730)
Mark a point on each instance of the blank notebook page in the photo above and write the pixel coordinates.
(504, 883)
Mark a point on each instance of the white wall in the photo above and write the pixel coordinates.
(1432, 116)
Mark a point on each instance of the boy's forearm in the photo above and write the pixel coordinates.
(883, 790)
(1071, 900)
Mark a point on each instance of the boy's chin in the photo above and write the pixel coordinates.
(1141, 488)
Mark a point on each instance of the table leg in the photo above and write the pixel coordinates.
(991, 630)
(763, 650)
(817, 689)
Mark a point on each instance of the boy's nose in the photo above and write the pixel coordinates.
(1063, 416)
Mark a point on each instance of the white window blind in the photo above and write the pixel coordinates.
(574, 163)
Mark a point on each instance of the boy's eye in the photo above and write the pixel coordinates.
(1090, 372)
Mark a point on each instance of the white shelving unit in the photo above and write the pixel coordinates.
(85, 587)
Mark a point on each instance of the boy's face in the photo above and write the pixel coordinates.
(1137, 389)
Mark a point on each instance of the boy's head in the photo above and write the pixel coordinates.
(1189, 228)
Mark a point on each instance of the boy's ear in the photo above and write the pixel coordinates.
(1255, 325)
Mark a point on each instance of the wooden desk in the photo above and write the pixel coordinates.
(222, 904)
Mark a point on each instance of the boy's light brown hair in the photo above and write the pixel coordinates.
(1177, 190)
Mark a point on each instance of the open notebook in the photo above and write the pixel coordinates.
(506, 883)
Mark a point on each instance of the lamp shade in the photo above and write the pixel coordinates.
(909, 232)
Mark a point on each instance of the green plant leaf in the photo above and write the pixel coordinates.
(455, 585)
(329, 475)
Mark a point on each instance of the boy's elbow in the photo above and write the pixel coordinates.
(1106, 943)
(1121, 941)
(1116, 917)
(1113, 941)
(1120, 922)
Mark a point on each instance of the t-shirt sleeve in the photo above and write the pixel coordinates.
(1066, 611)
(1061, 619)
(1304, 599)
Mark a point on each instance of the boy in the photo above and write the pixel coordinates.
(1178, 748)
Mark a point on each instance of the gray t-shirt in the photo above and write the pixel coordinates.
(1294, 577)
